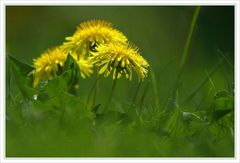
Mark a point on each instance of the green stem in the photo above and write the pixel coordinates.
(155, 89)
(189, 38)
(202, 83)
(111, 94)
(135, 95)
(91, 90)
(185, 52)
(96, 88)
(143, 99)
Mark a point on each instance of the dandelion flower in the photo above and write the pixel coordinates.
(90, 34)
(85, 65)
(48, 65)
(120, 59)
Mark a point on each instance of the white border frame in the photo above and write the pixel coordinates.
(5, 3)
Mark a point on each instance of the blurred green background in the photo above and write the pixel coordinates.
(160, 32)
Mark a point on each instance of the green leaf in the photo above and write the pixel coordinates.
(223, 104)
(72, 68)
(222, 94)
(25, 68)
(55, 87)
(96, 108)
(218, 114)
(70, 63)
(65, 82)
(188, 116)
(17, 76)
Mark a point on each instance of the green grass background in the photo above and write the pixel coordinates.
(166, 127)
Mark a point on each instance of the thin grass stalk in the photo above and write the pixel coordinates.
(155, 89)
(135, 95)
(91, 90)
(189, 38)
(211, 81)
(202, 83)
(143, 99)
(185, 53)
(95, 93)
(225, 58)
(111, 94)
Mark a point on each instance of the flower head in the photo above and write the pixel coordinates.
(85, 65)
(48, 65)
(121, 59)
(90, 34)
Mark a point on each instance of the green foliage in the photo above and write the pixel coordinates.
(54, 121)
(17, 75)
(185, 108)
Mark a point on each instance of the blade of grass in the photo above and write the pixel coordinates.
(111, 94)
(185, 53)
(135, 95)
(225, 58)
(202, 83)
(91, 90)
(143, 98)
(210, 80)
(230, 86)
(96, 90)
(189, 38)
(155, 88)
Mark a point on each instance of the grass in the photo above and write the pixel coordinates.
(125, 119)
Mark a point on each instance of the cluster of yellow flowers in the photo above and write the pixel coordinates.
(95, 43)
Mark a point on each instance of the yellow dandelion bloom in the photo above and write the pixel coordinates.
(121, 59)
(85, 65)
(90, 34)
(48, 65)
